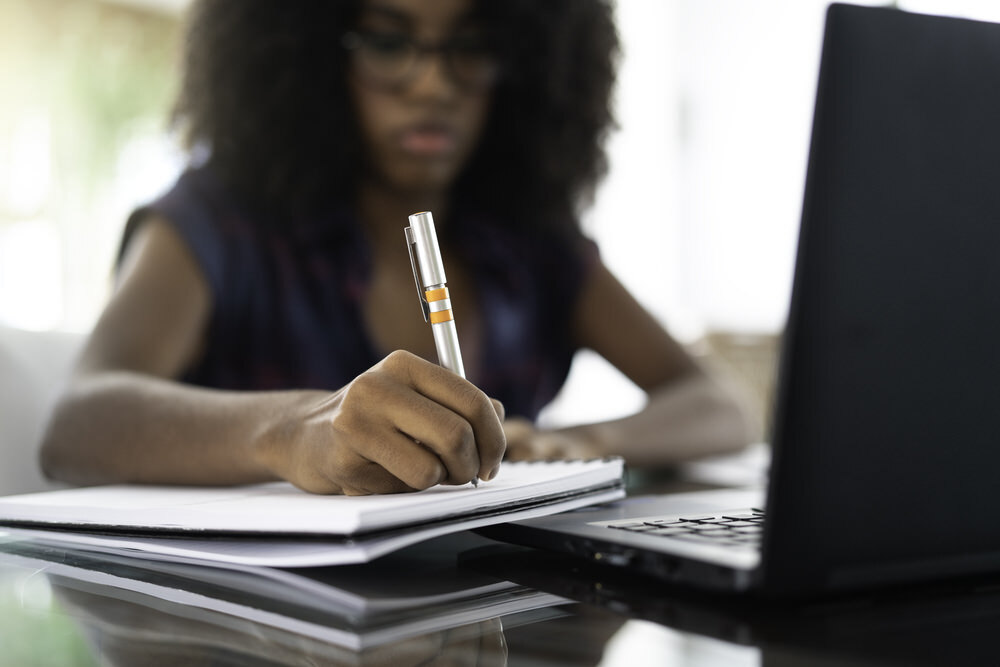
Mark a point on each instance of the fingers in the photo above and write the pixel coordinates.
(401, 458)
(526, 443)
(448, 435)
(370, 453)
(409, 424)
(519, 433)
(368, 478)
(470, 445)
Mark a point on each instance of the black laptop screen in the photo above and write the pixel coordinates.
(887, 434)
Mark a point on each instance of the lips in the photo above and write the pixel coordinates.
(428, 140)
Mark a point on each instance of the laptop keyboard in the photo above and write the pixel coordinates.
(739, 528)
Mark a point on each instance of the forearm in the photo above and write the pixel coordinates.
(128, 427)
(404, 424)
(690, 418)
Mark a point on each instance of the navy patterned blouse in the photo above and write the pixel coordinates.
(288, 297)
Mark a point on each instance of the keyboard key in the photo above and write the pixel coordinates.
(635, 528)
(739, 529)
(704, 539)
(716, 532)
(695, 537)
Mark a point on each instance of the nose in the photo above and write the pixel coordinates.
(432, 77)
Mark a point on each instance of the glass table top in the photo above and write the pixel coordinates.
(462, 600)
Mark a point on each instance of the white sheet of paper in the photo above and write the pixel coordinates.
(258, 525)
(282, 508)
(288, 551)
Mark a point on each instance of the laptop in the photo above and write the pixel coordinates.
(886, 433)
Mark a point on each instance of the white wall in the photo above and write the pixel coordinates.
(699, 216)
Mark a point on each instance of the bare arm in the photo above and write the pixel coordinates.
(687, 413)
(125, 418)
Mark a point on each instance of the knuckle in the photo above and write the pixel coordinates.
(458, 435)
(478, 405)
(351, 400)
(363, 394)
(396, 361)
(342, 461)
(313, 482)
(363, 386)
(426, 478)
(347, 423)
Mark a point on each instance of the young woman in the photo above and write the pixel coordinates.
(265, 323)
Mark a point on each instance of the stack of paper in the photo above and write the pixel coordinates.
(281, 526)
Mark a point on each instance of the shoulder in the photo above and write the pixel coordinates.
(199, 215)
(156, 316)
(197, 206)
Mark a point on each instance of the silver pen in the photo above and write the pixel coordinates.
(432, 289)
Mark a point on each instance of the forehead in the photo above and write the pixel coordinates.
(421, 16)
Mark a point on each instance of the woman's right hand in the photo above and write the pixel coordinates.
(405, 424)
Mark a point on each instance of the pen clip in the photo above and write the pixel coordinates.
(410, 244)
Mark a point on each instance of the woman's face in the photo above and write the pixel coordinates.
(421, 76)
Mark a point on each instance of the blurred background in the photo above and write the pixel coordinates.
(698, 217)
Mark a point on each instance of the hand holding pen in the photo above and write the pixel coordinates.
(404, 424)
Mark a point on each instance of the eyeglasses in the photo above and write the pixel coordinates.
(390, 59)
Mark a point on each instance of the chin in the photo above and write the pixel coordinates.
(430, 179)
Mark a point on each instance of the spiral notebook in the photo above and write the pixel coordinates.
(279, 525)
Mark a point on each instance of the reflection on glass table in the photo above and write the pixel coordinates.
(945, 623)
(464, 602)
(412, 607)
(69, 607)
(138, 630)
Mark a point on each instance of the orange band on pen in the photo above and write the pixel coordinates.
(438, 294)
(442, 316)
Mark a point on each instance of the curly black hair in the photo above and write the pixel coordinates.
(264, 90)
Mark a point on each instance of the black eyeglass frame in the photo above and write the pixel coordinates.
(355, 40)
